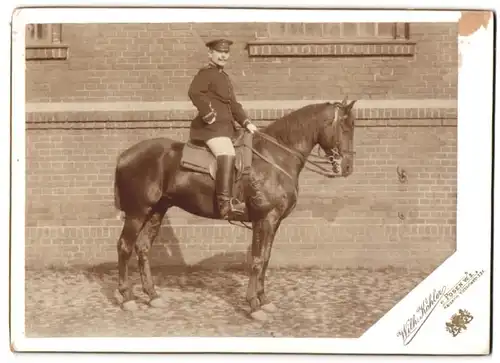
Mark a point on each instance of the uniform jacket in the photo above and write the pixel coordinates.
(211, 92)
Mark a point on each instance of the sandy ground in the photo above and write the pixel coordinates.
(312, 302)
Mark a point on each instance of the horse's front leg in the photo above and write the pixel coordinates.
(262, 239)
(266, 304)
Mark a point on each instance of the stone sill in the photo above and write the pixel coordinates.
(304, 47)
(47, 52)
(177, 119)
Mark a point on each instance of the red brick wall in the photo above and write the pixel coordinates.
(369, 219)
(155, 62)
(357, 221)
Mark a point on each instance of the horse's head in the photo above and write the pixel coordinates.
(336, 136)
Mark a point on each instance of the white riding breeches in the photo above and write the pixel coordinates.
(221, 146)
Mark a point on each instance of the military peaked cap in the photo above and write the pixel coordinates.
(221, 45)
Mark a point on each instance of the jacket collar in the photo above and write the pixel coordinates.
(216, 66)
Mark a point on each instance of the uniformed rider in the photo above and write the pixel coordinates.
(211, 92)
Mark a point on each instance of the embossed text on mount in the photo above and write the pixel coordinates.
(460, 287)
(411, 327)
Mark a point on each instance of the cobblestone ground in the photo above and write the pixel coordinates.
(312, 302)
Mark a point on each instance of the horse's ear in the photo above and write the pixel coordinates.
(344, 101)
(350, 105)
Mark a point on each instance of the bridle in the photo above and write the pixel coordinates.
(332, 156)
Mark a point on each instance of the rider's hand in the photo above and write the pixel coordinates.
(210, 118)
(211, 121)
(251, 127)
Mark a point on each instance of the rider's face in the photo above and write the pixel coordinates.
(218, 57)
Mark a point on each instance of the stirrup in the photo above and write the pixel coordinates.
(233, 202)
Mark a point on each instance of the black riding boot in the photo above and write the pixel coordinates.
(229, 207)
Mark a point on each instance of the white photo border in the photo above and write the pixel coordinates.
(474, 187)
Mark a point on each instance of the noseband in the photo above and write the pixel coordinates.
(333, 157)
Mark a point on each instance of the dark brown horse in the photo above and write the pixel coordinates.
(150, 179)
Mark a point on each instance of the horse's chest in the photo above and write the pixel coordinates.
(281, 201)
(290, 201)
(270, 194)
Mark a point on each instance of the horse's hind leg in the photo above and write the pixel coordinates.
(143, 248)
(125, 247)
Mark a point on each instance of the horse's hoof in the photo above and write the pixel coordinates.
(259, 315)
(130, 305)
(157, 303)
(269, 308)
(118, 297)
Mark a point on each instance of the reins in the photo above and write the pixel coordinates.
(323, 171)
(323, 160)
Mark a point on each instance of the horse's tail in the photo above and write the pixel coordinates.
(120, 215)
(117, 190)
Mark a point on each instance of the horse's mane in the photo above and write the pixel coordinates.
(304, 121)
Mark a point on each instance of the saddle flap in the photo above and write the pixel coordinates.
(199, 158)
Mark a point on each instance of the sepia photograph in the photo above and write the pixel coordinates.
(252, 173)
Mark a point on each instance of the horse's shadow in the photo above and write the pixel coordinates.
(331, 210)
(221, 275)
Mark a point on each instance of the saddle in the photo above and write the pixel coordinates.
(196, 156)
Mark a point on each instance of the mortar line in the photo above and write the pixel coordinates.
(250, 105)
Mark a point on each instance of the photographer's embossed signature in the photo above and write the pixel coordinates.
(412, 325)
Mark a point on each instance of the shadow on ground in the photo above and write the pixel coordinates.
(222, 281)
(224, 271)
